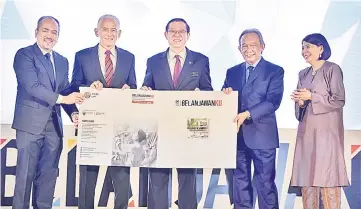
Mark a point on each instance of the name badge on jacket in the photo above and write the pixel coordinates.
(194, 74)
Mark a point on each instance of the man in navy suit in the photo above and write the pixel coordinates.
(43, 85)
(176, 69)
(104, 65)
(260, 86)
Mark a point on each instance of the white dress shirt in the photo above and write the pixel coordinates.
(172, 60)
(51, 58)
(102, 55)
(60, 97)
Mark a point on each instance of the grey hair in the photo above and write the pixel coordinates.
(117, 22)
(253, 30)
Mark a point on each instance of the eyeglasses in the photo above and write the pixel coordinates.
(180, 32)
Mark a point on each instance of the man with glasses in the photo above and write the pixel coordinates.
(176, 69)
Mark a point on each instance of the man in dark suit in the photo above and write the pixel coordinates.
(260, 86)
(43, 85)
(104, 65)
(177, 69)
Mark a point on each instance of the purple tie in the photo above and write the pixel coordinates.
(177, 69)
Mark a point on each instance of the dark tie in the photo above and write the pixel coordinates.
(177, 70)
(52, 73)
(109, 69)
(56, 111)
(249, 72)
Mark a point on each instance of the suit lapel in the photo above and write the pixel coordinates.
(45, 63)
(242, 75)
(165, 68)
(187, 66)
(58, 68)
(94, 56)
(257, 71)
(120, 70)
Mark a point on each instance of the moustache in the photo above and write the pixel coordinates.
(48, 39)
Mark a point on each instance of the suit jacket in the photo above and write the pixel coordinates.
(261, 96)
(36, 97)
(87, 69)
(195, 73)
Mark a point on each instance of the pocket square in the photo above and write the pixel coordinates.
(194, 74)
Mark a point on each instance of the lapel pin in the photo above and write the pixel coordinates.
(190, 62)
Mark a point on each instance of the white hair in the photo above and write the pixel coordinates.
(106, 16)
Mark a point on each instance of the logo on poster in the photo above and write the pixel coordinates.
(201, 103)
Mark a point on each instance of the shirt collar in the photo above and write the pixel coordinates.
(182, 53)
(43, 51)
(254, 64)
(102, 50)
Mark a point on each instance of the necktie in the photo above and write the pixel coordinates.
(52, 73)
(249, 71)
(177, 69)
(109, 71)
(56, 111)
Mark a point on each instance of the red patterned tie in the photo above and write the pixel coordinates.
(109, 71)
(177, 69)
